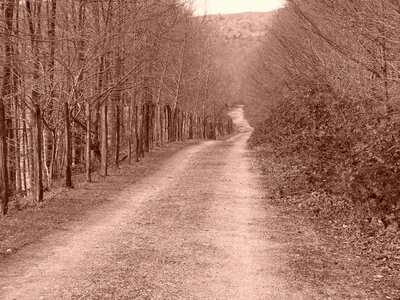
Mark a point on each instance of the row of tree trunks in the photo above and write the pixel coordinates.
(149, 126)
(156, 125)
(59, 56)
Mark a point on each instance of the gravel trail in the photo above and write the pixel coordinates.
(196, 229)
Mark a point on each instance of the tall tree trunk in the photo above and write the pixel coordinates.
(37, 153)
(25, 153)
(88, 143)
(68, 147)
(117, 133)
(11, 148)
(30, 145)
(52, 39)
(17, 149)
(117, 103)
(151, 125)
(97, 120)
(145, 122)
(6, 93)
(49, 133)
(34, 24)
(104, 141)
(17, 106)
(3, 160)
(130, 131)
(137, 133)
(161, 124)
(53, 154)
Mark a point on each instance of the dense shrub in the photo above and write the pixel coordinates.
(341, 150)
(328, 73)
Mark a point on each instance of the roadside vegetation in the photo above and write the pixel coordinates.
(328, 77)
(325, 81)
(86, 85)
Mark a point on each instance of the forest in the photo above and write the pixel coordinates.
(86, 84)
(148, 152)
(327, 78)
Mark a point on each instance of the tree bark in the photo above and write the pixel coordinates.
(37, 153)
(146, 126)
(88, 143)
(104, 141)
(137, 133)
(130, 130)
(68, 148)
(17, 150)
(3, 161)
(50, 141)
(6, 92)
(117, 133)
(25, 153)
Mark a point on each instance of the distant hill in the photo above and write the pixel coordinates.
(241, 26)
(241, 34)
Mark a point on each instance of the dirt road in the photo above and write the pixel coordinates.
(196, 229)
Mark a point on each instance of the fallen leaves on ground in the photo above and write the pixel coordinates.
(352, 250)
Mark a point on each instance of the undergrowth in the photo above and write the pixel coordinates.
(353, 224)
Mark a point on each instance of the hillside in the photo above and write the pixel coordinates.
(241, 34)
(242, 26)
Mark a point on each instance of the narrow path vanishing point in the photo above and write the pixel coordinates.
(196, 229)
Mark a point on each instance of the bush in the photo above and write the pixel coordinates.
(339, 150)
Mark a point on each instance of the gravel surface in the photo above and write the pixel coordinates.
(195, 229)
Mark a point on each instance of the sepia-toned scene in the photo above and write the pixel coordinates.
(200, 149)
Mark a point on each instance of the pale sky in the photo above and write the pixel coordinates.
(235, 6)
